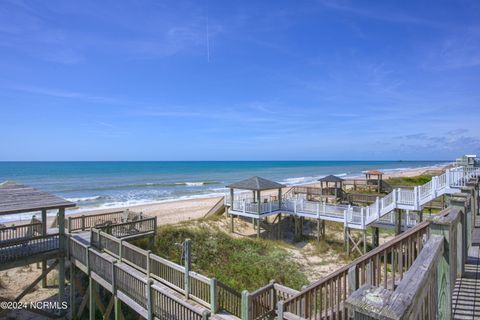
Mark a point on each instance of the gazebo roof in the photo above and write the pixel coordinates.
(331, 178)
(375, 172)
(17, 198)
(256, 184)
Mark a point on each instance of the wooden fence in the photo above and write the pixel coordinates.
(125, 229)
(425, 291)
(18, 249)
(143, 294)
(261, 303)
(195, 286)
(24, 231)
(412, 265)
(85, 222)
(382, 266)
(228, 299)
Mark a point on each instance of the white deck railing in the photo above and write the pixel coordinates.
(360, 217)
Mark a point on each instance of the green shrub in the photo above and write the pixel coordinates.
(409, 181)
(241, 263)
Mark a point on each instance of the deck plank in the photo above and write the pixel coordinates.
(466, 294)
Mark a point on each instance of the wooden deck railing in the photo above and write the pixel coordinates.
(165, 271)
(262, 302)
(229, 299)
(125, 229)
(21, 248)
(416, 293)
(132, 286)
(383, 266)
(24, 231)
(85, 222)
(426, 289)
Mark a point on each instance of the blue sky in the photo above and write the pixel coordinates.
(239, 80)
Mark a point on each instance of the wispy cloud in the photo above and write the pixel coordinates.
(58, 93)
(458, 49)
(394, 16)
(25, 28)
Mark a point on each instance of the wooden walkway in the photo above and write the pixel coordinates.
(355, 217)
(152, 286)
(466, 294)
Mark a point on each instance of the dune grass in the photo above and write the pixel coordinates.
(409, 181)
(241, 263)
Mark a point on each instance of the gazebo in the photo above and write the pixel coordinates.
(374, 177)
(331, 186)
(29, 243)
(253, 207)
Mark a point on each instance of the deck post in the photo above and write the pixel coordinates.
(213, 295)
(44, 232)
(376, 237)
(258, 228)
(73, 306)
(352, 284)
(61, 280)
(91, 297)
(117, 304)
(245, 311)
(279, 310)
(232, 227)
(187, 251)
(318, 230)
(447, 267)
(279, 199)
(149, 252)
(61, 261)
(279, 228)
(364, 241)
(346, 237)
(398, 221)
(149, 299)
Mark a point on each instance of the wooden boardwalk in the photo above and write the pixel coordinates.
(150, 285)
(466, 294)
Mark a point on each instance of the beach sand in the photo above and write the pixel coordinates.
(169, 212)
(172, 212)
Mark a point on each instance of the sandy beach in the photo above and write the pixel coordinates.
(174, 211)
(171, 212)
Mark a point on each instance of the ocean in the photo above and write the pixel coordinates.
(97, 185)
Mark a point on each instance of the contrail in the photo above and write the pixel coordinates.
(208, 43)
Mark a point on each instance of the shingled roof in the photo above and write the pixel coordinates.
(256, 183)
(331, 178)
(17, 198)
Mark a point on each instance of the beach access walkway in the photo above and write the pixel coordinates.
(381, 213)
(155, 288)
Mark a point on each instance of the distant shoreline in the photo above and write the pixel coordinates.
(176, 210)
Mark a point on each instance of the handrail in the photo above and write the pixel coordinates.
(21, 248)
(160, 269)
(23, 231)
(84, 222)
(373, 267)
(360, 217)
(216, 207)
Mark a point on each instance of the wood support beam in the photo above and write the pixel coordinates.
(36, 281)
(398, 221)
(91, 298)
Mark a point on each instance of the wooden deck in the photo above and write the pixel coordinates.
(466, 294)
(358, 217)
(19, 252)
(150, 285)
